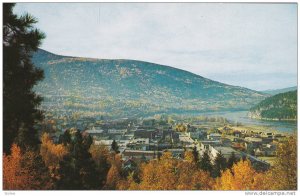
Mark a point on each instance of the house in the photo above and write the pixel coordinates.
(140, 154)
(94, 132)
(226, 152)
(267, 134)
(197, 135)
(106, 143)
(176, 153)
(266, 150)
(253, 139)
(143, 133)
(252, 142)
(214, 136)
(116, 131)
(139, 144)
(204, 145)
(185, 140)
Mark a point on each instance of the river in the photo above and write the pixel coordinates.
(241, 117)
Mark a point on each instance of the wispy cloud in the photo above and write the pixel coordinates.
(222, 41)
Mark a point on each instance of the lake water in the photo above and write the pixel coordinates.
(241, 117)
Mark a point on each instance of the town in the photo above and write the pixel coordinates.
(143, 139)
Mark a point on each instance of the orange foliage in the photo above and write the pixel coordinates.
(173, 174)
(51, 153)
(241, 177)
(99, 152)
(113, 177)
(14, 177)
(23, 172)
(128, 184)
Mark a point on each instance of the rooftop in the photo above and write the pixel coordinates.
(225, 150)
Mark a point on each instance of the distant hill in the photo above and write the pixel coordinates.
(130, 88)
(282, 106)
(277, 91)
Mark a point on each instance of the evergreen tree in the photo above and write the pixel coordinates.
(65, 138)
(115, 147)
(220, 165)
(195, 155)
(232, 160)
(205, 162)
(101, 156)
(20, 113)
(78, 171)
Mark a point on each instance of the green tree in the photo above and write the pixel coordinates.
(115, 147)
(195, 155)
(101, 155)
(220, 165)
(20, 113)
(65, 138)
(205, 162)
(78, 171)
(232, 160)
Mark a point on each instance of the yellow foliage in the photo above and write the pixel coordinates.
(173, 174)
(14, 178)
(285, 166)
(180, 128)
(241, 177)
(52, 154)
(99, 152)
(113, 177)
(21, 173)
(189, 157)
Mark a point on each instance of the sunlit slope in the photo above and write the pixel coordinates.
(131, 88)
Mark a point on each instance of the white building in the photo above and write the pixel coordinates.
(214, 136)
(226, 152)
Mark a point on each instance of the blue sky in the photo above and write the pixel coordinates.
(249, 45)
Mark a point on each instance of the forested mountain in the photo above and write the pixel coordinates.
(277, 91)
(282, 106)
(122, 88)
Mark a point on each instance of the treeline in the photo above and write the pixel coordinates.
(74, 163)
(281, 106)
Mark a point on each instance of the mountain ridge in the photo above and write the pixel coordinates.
(281, 90)
(157, 64)
(124, 87)
(282, 106)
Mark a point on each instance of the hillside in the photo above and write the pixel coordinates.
(282, 106)
(123, 88)
(277, 91)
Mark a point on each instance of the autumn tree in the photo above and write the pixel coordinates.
(14, 177)
(129, 183)
(285, 166)
(113, 177)
(181, 128)
(240, 177)
(40, 176)
(169, 173)
(52, 153)
(20, 40)
(25, 172)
